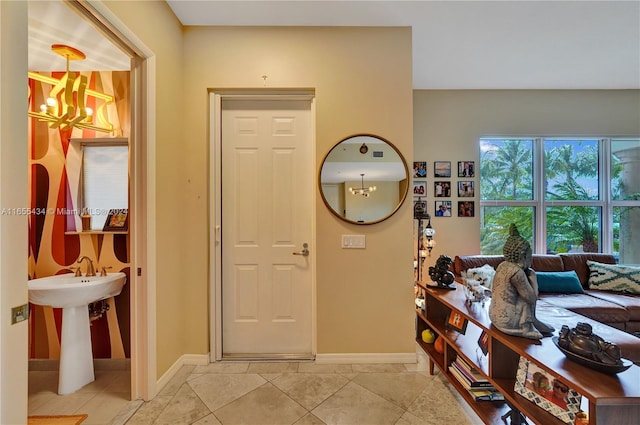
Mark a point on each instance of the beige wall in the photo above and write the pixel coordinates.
(156, 26)
(362, 79)
(448, 124)
(13, 197)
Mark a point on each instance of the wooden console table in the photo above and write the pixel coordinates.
(611, 399)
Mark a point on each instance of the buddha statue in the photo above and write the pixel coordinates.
(515, 291)
(582, 341)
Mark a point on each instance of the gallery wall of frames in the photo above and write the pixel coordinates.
(447, 187)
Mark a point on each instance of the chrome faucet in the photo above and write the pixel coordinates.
(91, 271)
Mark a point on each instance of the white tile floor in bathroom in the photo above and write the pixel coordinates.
(101, 399)
(262, 393)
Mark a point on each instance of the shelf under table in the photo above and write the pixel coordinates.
(610, 397)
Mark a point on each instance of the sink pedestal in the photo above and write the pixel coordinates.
(73, 294)
(76, 357)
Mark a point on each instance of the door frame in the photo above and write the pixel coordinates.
(142, 232)
(215, 205)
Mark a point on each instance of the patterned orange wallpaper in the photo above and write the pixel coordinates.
(53, 245)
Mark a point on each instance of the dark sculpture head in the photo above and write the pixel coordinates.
(517, 249)
(583, 328)
(443, 262)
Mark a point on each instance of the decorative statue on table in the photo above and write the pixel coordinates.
(582, 341)
(515, 291)
(440, 273)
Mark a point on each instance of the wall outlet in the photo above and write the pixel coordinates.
(353, 241)
(19, 314)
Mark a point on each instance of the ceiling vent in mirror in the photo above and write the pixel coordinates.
(378, 154)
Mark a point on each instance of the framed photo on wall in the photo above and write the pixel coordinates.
(466, 209)
(420, 169)
(466, 169)
(443, 209)
(442, 169)
(466, 189)
(546, 391)
(442, 189)
(419, 188)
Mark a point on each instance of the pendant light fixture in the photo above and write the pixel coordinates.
(65, 107)
(364, 191)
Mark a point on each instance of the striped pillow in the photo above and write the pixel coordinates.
(613, 277)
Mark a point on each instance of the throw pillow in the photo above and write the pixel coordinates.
(482, 274)
(614, 277)
(559, 282)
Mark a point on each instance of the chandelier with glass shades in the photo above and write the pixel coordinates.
(364, 191)
(65, 107)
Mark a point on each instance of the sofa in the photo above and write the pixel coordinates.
(617, 309)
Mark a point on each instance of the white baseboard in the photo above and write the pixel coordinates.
(366, 358)
(186, 359)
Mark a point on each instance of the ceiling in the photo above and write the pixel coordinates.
(514, 44)
(53, 22)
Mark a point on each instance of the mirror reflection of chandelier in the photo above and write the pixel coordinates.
(364, 191)
(65, 107)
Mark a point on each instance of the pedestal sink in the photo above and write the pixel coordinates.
(73, 294)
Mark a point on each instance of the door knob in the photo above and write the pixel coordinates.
(305, 250)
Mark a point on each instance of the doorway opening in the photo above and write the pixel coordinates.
(116, 249)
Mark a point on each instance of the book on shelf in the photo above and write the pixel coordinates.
(464, 364)
(484, 394)
(469, 374)
(464, 381)
(459, 377)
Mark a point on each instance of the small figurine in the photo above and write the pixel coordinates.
(440, 273)
(515, 291)
(582, 341)
(475, 292)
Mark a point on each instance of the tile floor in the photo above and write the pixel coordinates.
(282, 393)
(101, 400)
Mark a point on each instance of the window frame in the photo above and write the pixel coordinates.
(539, 203)
(82, 143)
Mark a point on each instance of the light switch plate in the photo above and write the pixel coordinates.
(19, 314)
(353, 241)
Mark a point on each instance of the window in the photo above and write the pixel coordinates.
(105, 179)
(564, 194)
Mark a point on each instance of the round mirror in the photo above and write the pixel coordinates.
(364, 179)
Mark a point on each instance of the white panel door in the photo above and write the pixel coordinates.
(267, 200)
